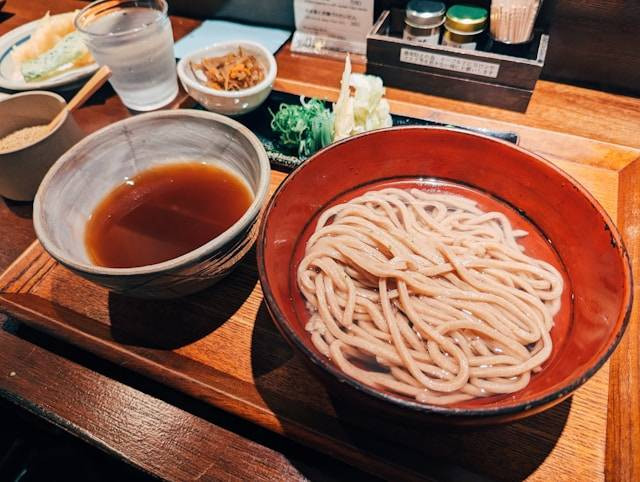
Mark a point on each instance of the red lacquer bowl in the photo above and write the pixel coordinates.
(568, 227)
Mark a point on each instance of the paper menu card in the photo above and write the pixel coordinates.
(332, 26)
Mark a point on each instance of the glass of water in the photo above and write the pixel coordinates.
(134, 38)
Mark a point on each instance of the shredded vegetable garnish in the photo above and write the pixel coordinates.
(360, 107)
(364, 111)
(234, 71)
(306, 128)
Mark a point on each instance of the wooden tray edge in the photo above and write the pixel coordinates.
(13, 305)
(622, 449)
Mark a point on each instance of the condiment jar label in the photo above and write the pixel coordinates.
(430, 39)
(446, 40)
(464, 46)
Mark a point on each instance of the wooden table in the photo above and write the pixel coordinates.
(173, 436)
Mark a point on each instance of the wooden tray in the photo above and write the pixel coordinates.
(222, 347)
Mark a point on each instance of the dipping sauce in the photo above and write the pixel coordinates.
(163, 213)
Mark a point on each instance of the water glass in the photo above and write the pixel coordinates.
(134, 38)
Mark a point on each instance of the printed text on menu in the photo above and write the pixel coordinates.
(341, 19)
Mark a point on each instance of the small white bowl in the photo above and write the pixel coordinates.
(230, 103)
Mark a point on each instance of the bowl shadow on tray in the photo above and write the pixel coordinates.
(293, 393)
(171, 324)
(22, 209)
(4, 16)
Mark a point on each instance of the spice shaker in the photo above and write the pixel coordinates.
(464, 25)
(423, 20)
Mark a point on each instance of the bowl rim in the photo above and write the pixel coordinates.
(56, 128)
(164, 7)
(269, 78)
(520, 407)
(251, 213)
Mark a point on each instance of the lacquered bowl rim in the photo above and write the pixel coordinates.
(252, 212)
(444, 410)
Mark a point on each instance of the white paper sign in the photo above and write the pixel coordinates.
(325, 26)
(448, 62)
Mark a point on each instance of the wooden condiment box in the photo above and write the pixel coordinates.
(496, 79)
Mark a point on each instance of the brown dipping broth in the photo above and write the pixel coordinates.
(165, 212)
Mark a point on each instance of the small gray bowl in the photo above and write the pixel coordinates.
(81, 178)
(22, 169)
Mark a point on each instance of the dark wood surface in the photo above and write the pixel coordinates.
(554, 106)
(594, 41)
(161, 432)
(192, 447)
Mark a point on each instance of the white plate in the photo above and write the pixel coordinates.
(10, 76)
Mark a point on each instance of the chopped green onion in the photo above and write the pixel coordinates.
(306, 128)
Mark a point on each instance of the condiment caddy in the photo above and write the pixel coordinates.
(465, 64)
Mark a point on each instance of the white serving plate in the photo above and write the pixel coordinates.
(10, 76)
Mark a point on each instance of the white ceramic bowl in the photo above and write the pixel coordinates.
(81, 178)
(230, 103)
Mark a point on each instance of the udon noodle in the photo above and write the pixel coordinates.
(423, 294)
